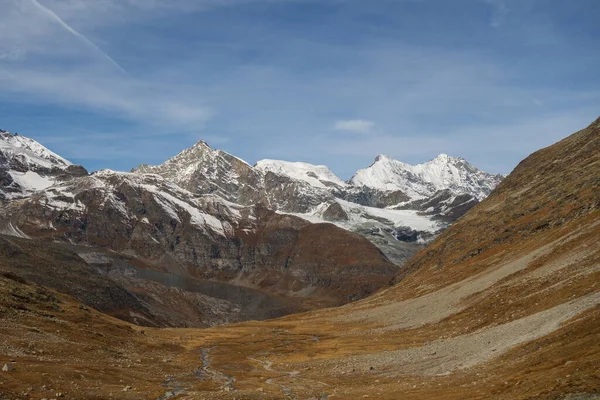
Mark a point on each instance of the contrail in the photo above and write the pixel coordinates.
(77, 34)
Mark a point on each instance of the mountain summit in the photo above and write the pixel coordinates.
(424, 180)
(26, 166)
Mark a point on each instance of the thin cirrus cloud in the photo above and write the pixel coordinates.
(354, 126)
(45, 59)
(75, 33)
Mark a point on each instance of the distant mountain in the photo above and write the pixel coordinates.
(424, 180)
(399, 207)
(258, 263)
(203, 170)
(318, 176)
(388, 202)
(250, 238)
(26, 166)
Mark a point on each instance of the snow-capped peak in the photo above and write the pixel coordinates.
(30, 152)
(382, 157)
(443, 158)
(318, 176)
(26, 166)
(423, 180)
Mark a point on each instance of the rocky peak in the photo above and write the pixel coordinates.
(26, 166)
(30, 151)
(382, 157)
(202, 144)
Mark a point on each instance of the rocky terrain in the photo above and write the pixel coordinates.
(503, 304)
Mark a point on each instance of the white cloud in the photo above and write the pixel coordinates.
(354, 126)
(122, 96)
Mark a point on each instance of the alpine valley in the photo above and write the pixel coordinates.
(503, 304)
(205, 238)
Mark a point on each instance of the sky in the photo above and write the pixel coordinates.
(116, 83)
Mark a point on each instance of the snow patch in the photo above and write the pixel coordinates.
(31, 181)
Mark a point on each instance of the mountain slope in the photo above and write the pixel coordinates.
(203, 244)
(503, 304)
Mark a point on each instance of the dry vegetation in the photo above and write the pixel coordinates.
(504, 304)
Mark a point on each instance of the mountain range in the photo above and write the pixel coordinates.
(239, 241)
(397, 206)
(504, 303)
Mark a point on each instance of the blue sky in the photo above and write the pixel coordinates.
(116, 83)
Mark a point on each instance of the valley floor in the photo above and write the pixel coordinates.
(526, 326)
